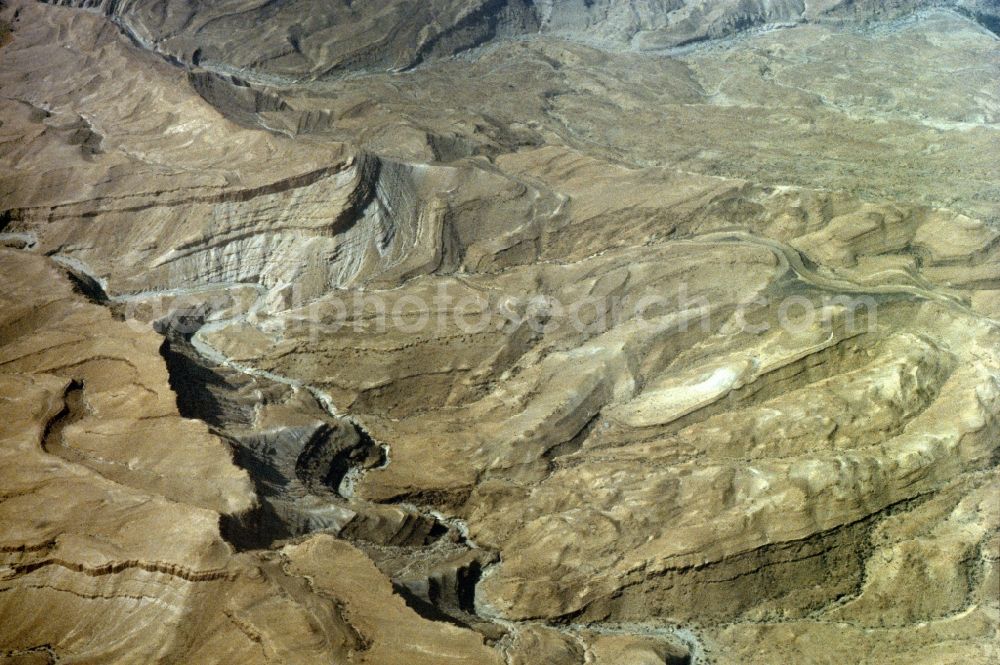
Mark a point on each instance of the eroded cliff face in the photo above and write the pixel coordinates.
(499, 332)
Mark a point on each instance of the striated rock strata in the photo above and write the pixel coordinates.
(499, 332)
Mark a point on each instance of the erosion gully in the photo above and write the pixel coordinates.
(305, 462)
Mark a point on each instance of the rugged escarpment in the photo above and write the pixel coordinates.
(112, 507)
(499, 332)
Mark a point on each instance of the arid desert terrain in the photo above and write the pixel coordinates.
(508, 332)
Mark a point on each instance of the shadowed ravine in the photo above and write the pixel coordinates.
(222, 396)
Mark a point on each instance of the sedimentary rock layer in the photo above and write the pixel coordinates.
(499, 332)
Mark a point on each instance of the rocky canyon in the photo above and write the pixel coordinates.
(511, 332)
